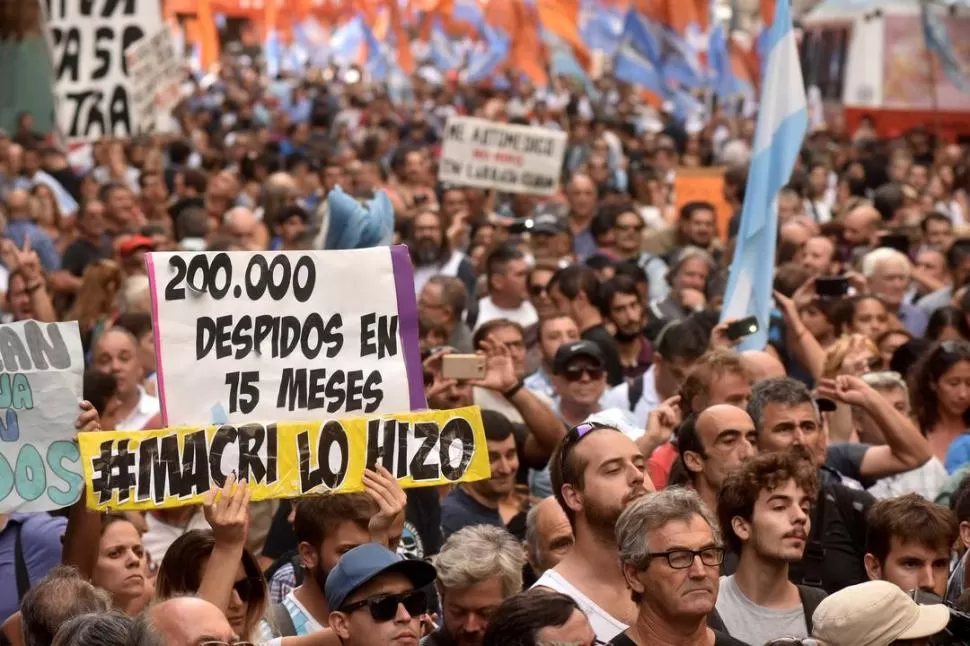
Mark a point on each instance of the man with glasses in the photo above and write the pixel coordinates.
(375, 597)
(596, 472)
(670, 552)
(765, 509)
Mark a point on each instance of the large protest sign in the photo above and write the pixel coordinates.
(156, 75)
(277, 336)
(88, 40)
(174, 467)
(40, 387)
(514, 159)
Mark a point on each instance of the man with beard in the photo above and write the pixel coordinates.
(432, 255)
(670, 552)
(326, 527)
(596, 472)
(765, 509)
(622, 306)
(478, 568)
(477, 503)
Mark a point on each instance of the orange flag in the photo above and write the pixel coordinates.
(561, 17)
(403, 42)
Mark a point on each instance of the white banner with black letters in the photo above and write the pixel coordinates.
(501, 156)
(156, 74)
(89, 39)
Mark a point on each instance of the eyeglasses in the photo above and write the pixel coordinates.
(247, 588)
(683, 559)
(575, 373)
(383, 608)
(628, 227)
(538, 290)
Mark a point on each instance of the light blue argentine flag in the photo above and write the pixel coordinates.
(782, 122)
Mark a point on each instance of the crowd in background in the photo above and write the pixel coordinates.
(649, 483)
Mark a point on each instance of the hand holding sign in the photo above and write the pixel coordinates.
(227, 512)
(386, 526)
(88, 421)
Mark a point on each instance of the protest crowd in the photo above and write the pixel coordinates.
(650, 465)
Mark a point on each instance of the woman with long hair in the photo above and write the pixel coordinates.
(940, 393)
(95, 305)
(47, 215)
(184, 567)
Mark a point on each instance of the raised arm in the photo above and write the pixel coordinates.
(227, 511)
(83, 533)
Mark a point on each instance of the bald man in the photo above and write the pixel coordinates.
(548, 535)
(714, 445)
(581, 195)
(239, 222)
(762, 365)
(818, 256)
(861, 226)
(189, 621)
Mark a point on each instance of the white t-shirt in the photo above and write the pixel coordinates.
(146, 409)
(160, 535)
(525, 314)
(605, 625)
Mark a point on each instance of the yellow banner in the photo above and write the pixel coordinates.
(129, 470)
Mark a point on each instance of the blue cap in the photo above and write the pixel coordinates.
(364, 563)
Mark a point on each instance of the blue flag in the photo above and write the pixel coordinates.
(782, 123)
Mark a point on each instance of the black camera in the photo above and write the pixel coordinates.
(957, 631)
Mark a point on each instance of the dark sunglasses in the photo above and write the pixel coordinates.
(538, 290)
(575, 373)
(383, 608)
(247, 588)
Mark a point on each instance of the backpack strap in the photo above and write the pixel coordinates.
(814, 558)
(281, 620)
(810, 597)
(634, 391)
(20, 564)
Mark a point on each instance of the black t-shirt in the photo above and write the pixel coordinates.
(834, 556)
(720, 639)
(81, 253)
(602, 337)
(460, 510)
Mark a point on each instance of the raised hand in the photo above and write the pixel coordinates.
(846, 389)
(227, 511)
(391, 500)
(499, 370)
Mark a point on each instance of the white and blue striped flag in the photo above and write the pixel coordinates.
(782, 122)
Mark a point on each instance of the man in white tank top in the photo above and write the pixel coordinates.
(596, 472)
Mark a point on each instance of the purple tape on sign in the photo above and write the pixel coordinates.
(157, 333)
(407, 316)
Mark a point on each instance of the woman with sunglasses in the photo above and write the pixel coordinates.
(200, 562)
(940, 392)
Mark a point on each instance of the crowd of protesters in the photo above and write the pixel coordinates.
(650, 484)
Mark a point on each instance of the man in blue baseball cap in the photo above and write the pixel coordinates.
(375, 597)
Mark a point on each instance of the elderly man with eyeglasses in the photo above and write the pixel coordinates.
(671, 553)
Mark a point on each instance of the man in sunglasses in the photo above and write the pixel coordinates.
(579, 379)
(375, 597)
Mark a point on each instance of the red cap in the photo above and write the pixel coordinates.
(135, 243)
